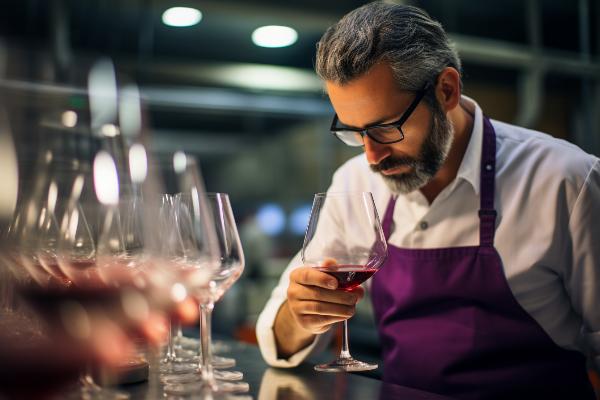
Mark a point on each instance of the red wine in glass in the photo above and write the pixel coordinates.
(348, 276)
(344, 239)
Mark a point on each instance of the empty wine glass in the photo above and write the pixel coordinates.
(227, 271)
(178, 223)
(172, 248)
(344, 239)
(232, 266)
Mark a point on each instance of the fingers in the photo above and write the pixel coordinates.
(359, 291)
(321, 308)
(317, 316)
(187, 311)
(313, 277)
(317, 324)
(328, 262)
(155, 329)
(302, 292)
(315, 304)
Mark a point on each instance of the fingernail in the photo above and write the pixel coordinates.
(332, 285)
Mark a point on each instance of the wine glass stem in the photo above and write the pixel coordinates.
(86, 379)
(178, 335)
(345, 351)
(205, 339)
(170, 352)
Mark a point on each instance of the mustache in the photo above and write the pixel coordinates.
(393, 162)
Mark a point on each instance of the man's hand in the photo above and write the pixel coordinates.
(313, 306)
(314, 301)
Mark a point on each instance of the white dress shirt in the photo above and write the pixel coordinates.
(547, 231)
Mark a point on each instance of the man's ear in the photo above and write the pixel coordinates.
(448, 89)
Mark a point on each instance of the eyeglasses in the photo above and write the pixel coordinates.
(380, 133)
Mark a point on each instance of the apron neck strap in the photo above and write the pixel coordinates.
(388, 218)
(487, 213)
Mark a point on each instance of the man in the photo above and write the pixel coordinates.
(491, 286)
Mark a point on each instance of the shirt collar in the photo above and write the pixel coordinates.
(470, 166)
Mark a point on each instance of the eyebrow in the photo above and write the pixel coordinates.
(378, 122)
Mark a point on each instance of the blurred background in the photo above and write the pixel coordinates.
(254, 112)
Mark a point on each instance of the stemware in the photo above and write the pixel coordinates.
(228, 270)
(77, 259)
(344, 239)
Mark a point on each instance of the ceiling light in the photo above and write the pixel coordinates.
(274, 36)
(181, 16)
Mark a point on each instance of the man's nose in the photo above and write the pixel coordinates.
(375, 152)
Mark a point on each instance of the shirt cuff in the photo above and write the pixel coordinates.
(267, 344)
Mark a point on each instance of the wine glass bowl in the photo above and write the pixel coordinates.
(344, 239)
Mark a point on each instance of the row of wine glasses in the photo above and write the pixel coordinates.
(108, 238)
(99, 264)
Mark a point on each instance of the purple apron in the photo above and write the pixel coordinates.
(449, 323)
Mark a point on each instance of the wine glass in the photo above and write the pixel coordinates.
(344, 239)
(232, 266)
(228, 270)
(77, 259)
(179, 239)
(188, 256)
(172, 249)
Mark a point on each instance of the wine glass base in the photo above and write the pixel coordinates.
(95, 392)
(177, 368)
(345, 364)
(217, 362)
(185, 389)
(188, 343)
(90, 390)
(223, 362)
(227, 376)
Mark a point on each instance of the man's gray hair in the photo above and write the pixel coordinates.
(416, 47)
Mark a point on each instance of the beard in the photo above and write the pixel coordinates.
(432, 155)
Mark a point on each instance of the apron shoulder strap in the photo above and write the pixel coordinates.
(388, 218)
(487, 213)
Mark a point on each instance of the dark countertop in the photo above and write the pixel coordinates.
(302, 382)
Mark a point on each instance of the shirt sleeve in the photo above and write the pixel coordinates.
(266, 321)
(583, 282)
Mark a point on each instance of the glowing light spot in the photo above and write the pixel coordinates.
(138, 163)
(179, 161)
(178, 292)
(69, 118)
(299, 219)
(274, 36)
(271, 219)
(181, 17)
(109, 130)
(106, 180)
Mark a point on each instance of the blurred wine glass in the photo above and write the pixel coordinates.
(185, 269)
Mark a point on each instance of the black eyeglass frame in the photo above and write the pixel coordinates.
(396, 124)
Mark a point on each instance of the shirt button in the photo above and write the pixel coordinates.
(424, 225)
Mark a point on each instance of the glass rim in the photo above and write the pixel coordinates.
(207, 194)
(343, 193)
